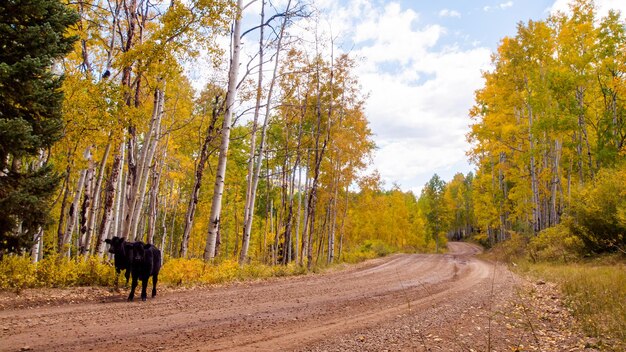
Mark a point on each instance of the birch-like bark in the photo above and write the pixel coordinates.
(95, 205)
(305, 222)
(296, 255)
(536, 206)
(251, 196)
(333, 223)
(556, 181)
(73, 211)
(131, 13)
(36, 249)
(504, 216)
(166, 203)
(117, 227)
(154, 194)
(198, 176)
(66, 191)
(144, 163)
(248, 209)
(299, 234)
(218, 189)
(109, 200)
(87, 201)
(343, 222)
(289, 236)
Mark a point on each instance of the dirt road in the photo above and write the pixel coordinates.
(452, 302)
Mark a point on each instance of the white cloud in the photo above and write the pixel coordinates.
(419, 92)
(501, 6)
(449, 13)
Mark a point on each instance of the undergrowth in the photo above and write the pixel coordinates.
(595, 292)
(594, 288)
(368, 250)
(17, 272)
(193, 272)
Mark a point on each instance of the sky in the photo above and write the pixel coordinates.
(421, 62)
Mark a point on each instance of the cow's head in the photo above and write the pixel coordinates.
(116, 245)
(139, 251)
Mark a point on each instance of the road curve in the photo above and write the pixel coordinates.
(283, 314)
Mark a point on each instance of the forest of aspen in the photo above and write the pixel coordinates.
(103, 134)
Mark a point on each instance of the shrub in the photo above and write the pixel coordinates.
(224, 272)
(599, 210)
(367, 250)
(511, 249)
(16, 272)
(190, 272)
(556, 243)
(56, 271)
(180, 271)
(482, 239)
(94, 272)
(255, 271)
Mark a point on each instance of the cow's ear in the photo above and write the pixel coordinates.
(107, 241)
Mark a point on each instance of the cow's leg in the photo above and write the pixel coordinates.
(127, 276)
(155, 278)
(117, 279)
(133, 287)
(144, 287)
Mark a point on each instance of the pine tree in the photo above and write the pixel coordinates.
(33, 34)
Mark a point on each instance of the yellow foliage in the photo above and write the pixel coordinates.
(17, 272)
(555, 244)
(368, 250)
(192, 272)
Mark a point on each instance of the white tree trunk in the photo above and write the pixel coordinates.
(220, 175)
(154, 195)
(95, 205)
(299, 216)
(35, 251)
(118, 223)
(251, 195)
(147, 155)
(74, 211)
(112, 200)
(86, 206)
(248, 209)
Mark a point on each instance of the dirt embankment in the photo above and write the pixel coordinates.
(419, 302)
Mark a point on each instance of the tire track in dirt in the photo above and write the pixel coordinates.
(279, 314)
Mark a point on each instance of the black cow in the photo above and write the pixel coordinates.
(122, 255)
(146, 262)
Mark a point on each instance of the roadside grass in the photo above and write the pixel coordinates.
(595, 291)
